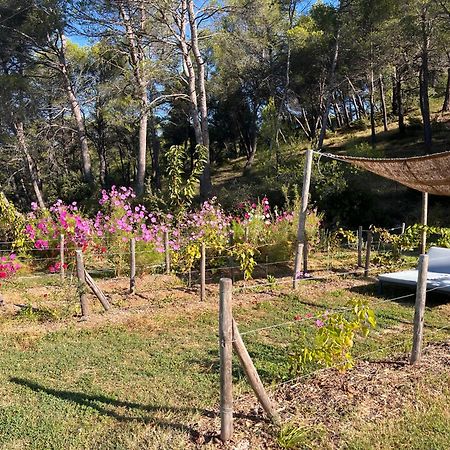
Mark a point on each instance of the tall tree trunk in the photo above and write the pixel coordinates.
(137, 58)
(205, 179)
(399, 102)
(331, 82)
(394, 92)
(76, 110)
(156, 150)
(31, 165)
(372, 111)
(345, 109)
(355, 107)
(446, 104)
(337, 113)
(424, 83)
(358, 100)
(383, 103)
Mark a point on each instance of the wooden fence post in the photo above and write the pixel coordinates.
(97, 292)
(167, 251)
(403, 228)
(62, 270)
(203, 273)
(252, 375)
(368, 249)
(226, 348)
(424, 222)
(297, 265)
(421, 295)
(82, 284)
(132, 265)
(360, 245)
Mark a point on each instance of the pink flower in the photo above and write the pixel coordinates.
(319, 323)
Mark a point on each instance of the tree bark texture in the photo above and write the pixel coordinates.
(137, 58)
(30, 164)
(76, 110)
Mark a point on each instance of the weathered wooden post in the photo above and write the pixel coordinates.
(62, 270)
(203, 273)
(226, 348)
(424, 221)
(368, 250)
(167, 251)
(82, 284)
(132, 265)
(297, 265)
(301, 232)
(421, 295)
(97, 292)
(253, 376)
(360, 245)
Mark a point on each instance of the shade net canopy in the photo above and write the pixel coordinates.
(430, 173)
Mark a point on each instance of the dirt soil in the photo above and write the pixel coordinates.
(371, 391)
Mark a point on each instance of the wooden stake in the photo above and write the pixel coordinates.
(97, 291)
(424, 222)
(225, 339)
(167, 251)
(368, 250)
(301, 232)
(305, 257)
(360, 245)
(297, 265)
(62, 271)
(132, 266)
(421, 294)
(403, 228)
(82, 284)
(203, 273)
(252, 375)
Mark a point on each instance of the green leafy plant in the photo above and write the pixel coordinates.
(334, 338)
(182, 189)
(244, 253)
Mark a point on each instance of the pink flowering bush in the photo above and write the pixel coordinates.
(208, 225)
(8, 266)
(44, 228)
(119, 220)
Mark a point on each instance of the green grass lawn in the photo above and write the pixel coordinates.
(150, 379)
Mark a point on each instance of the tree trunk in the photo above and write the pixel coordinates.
(399, 102)
(372, 111)
(137, 59)
(355, 107)
(359, 104)
(383, 103)
(156, 150)
(31, 165)
(331, 81)
(424, 82)
(205, 179)
(394, 93)
(345, 109)
(446, 105)
(76, 110)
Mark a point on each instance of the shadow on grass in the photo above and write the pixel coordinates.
(100, 403)
(401, 295)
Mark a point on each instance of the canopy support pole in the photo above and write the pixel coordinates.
(301, 233)
(424, 222)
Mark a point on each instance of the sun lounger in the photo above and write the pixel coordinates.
(438, 277)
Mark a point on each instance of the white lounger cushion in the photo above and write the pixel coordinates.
(438, 272)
